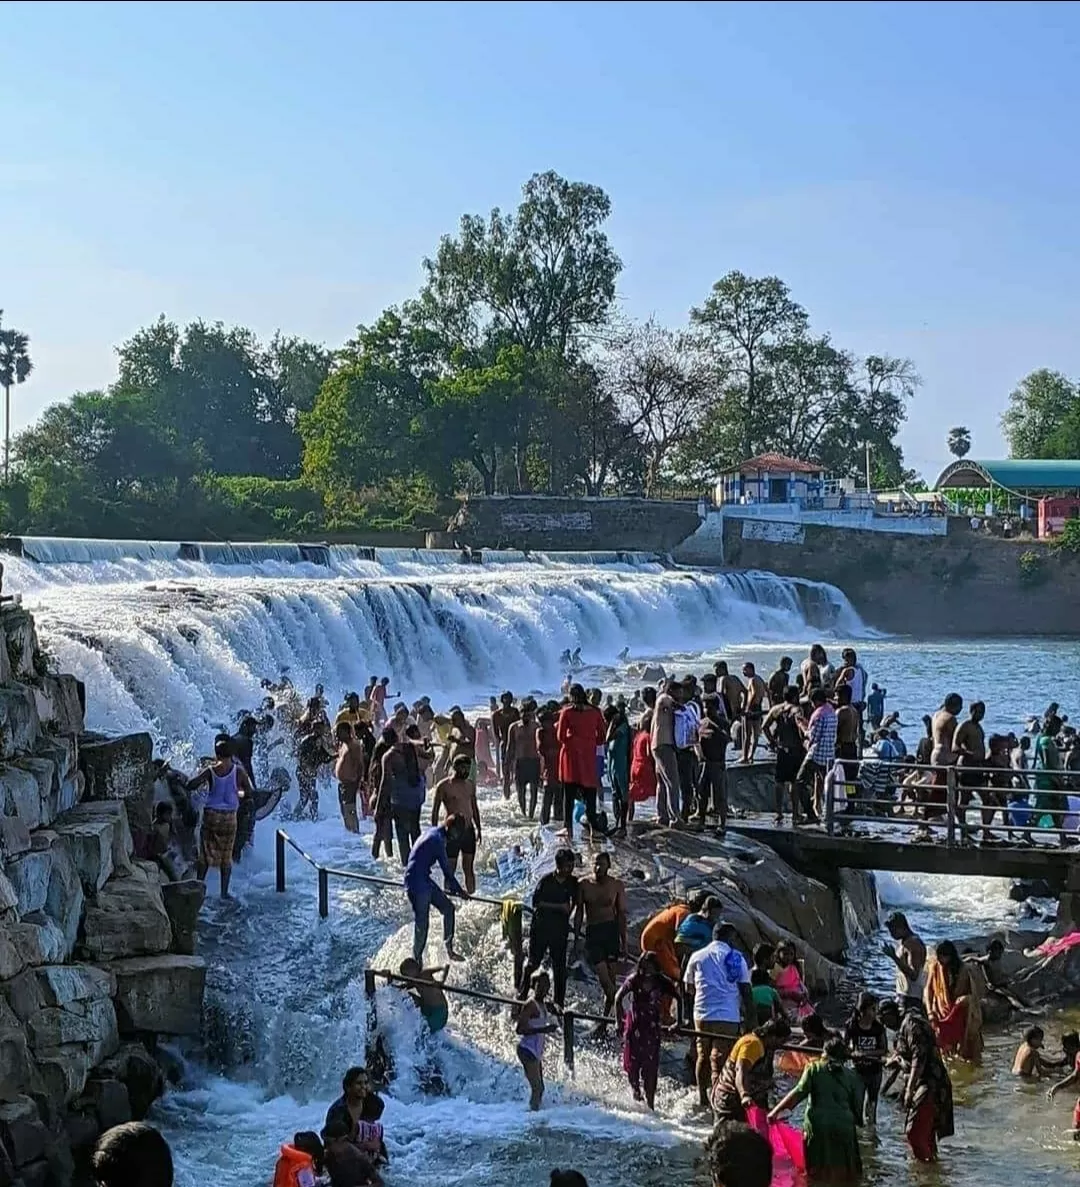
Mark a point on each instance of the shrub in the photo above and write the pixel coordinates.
(1069, 540)
(1032, 568)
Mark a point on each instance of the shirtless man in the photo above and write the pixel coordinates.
(731, 691)
(603, 904)
(847, 738)
(523, 757)
(942, 754)
(909, 956)
(462, 737)
(349, 771)
(502, 718)
(457, 796)
(969, 743)
(810, 669)
(753, 710)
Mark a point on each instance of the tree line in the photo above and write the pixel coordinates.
(511, 370)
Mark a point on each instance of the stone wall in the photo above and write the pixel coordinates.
(962, 584)
(95, 951)
(542, 524)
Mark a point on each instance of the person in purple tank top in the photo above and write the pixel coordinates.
(226, 783)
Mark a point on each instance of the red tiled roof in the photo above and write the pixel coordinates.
(775, 461)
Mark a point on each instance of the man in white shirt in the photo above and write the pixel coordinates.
(719, 979)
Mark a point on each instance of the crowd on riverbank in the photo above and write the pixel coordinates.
(673, 742)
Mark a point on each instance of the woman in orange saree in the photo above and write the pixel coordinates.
(952, 1004)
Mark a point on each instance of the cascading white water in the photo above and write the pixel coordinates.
(174, 638)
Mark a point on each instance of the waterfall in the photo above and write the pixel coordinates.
(175, 638)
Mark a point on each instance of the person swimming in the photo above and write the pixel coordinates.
(429, 998)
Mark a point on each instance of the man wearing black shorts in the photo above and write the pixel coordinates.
(457, 795)
(554, 900)
(783, 731)
(603, 905)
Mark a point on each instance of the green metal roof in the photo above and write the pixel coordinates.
(1022, 474)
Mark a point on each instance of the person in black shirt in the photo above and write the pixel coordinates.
(243, 747)
(714, 737)
(865, 1036)
(315, 750)
(554, 900)
(779, 681)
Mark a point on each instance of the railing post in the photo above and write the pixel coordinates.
(324, 892)
(830, 807)
(950, 805)
(568, 1039)
(279, 861)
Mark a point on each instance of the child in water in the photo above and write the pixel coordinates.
(789, 983)
(429, 998)
(1070, 1044)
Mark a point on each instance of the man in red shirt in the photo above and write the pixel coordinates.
(580, 730)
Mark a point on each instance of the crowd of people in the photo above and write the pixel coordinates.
(749, 1014)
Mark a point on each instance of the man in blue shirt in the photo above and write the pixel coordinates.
(424, 893)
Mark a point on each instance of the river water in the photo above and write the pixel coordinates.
(177, 646)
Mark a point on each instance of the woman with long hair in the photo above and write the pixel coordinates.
(952, 1004)
(640, 1023)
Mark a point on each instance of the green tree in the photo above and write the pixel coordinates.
(959, 441)
(15, 368)
(538, 278)
(741, 319)
(1038, 408)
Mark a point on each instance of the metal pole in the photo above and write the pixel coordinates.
(950, 811)
(279, 861)
(568, 1039)
(830, 809)
(324, 892)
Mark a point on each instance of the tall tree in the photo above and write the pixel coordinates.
(741, 318)
(1038, 406)
(663, 386)
(808, 396)
(959, 441)
(537, 278)
(15, 368)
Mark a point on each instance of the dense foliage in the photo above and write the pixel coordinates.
(511, 370)
(1043, 417)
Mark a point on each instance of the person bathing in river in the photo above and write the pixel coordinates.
(866, 1039)
(533, 1026)
(602, 903)
(424, 893)
(523, 757)
(503, 717)
(619, 736)
(581, 731)
(909, 956)
(227, 785)
(349, 772)
(1030, 1063)
(457, 797)
(640, 1024)
(927, 1092)
(952, 1004)
(746, 1075)
(1070, 1044)
(789, 983)
(429, 998)
(315, 749)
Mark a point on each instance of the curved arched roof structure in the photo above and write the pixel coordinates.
(1012, 474)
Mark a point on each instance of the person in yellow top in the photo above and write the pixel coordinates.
(747, 1073)
(353, 712)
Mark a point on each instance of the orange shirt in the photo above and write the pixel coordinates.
(294, 1169)
(661, 928)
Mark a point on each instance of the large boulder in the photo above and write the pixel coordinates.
(22, 1131)
(139, 1072)
(19, 725)
(29, 874)
(20, 634)
(15, 1069)
(64, 902)
(91, 1023)
(89, 843)
(114, 813)
(126, 918)
(9, 900)
(117, 768)
(14, 837)
(60, 705)
(160, 994)
(56, 986)
(183, 902)
(32, 940)
(22, 795)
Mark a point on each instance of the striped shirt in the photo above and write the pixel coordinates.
(821, 736)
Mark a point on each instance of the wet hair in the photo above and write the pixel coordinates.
(976, 707)
(947, 954)
(344, 730)
(507, 697)
(335, 1130)
(843, 694)
(1051, 726)
(818, 697)
(791, 695)
(866, 1001)
(568, 1179)
(389, 736)
(760, 977)
(352, 696)
(749, 669)
(786, 662)
(1034, 1033)
(775, 1028)
(953, 703)
(132, 1153)
(648, 695)
(351, 1076)
(564, 857)
(813, 1027)
(698, 900)
(308, 1143)
(739, 1156)
(223, 747)
(836, 1051)
(764, 954)
(1070, 1041)
(720, 667)
(577, 694)
(995, 946)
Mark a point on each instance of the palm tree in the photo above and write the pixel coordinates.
(15, 367)
(959, 441)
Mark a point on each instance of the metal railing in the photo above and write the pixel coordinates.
(913, 808)
(325, 873)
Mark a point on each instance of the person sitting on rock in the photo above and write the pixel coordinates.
(130, 1154)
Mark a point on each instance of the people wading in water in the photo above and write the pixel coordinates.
(523, 758)
(227, 786)
(603, 906)
(533, 1026)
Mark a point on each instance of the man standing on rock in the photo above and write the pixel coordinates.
(782, 729)
(603, 905)
(664, 754)
(523, 758)
(457, 795)
(753, 711)
(228, 785)
(502, 719)
(779, 681)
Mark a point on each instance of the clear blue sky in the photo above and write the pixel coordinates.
(909, 169)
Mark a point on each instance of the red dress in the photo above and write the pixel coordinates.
(642, 769)
(580, 732)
